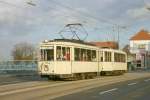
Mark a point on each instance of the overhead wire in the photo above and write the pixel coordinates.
(84, 13)
(11, 4)
(77, 11)
(87, 15)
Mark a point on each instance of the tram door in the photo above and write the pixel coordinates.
(101, 59)
(63, 57)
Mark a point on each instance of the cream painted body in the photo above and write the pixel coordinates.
(70, 67)
(112, 66)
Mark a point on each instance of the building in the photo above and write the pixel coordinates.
(107, 44)
(140, 46)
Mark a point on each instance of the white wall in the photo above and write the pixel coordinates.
(134, 49)
(134, 44)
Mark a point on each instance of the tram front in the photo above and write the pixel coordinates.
(46, 61)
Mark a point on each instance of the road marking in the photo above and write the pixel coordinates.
(132, 84)
(107, 91)
(147, 80)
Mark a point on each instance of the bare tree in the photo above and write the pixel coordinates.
(24, 51)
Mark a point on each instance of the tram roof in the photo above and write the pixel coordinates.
(72, 41)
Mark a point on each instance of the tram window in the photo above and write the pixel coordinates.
(68, 53)
(93, 55)
(50, 54)
(42, 54)
(119, 57)
(63, 53)
(107, 56)
(116, 55)
(89, 55)
(47, 54)
(83, 54)
(58, 53)
(123, 58)
(77, 54)
(101, 56)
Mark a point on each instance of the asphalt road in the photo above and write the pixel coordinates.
(99, 88)
(138, 89)
(29, 77)
(12, 79)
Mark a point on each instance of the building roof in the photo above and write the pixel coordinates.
(142, 35)
(107, 44)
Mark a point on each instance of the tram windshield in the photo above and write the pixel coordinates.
(47, 54)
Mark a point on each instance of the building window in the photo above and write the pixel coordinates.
(141, 46)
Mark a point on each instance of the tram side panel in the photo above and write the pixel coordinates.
(63, 67)
(84, 67)
(119, 66)
(107, 66)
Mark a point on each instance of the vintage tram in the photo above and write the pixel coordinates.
(74, 59)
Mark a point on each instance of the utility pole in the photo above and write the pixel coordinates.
(118, 34)
(118, 30)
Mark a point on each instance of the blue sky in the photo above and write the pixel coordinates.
(20, 22)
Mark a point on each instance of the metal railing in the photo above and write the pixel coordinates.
(18, 65)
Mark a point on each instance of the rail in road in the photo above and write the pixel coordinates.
(51, 90)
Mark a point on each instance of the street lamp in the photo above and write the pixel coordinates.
(146, 6)
(31, 3)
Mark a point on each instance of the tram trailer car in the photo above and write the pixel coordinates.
(74, 59)
(112, 62)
